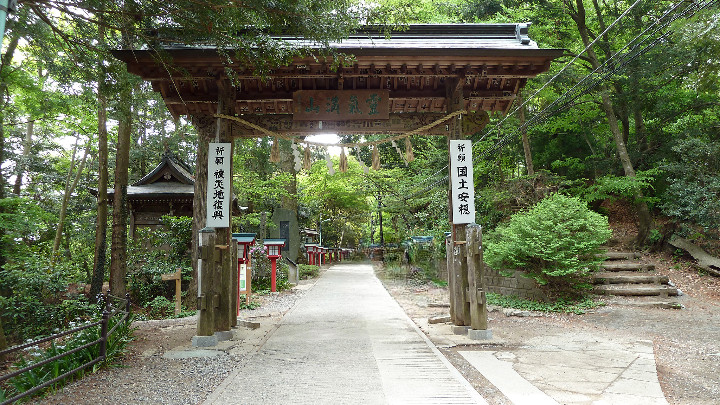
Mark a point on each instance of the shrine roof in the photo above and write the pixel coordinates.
(432, 38)
(170, 169)
(159, 190)
(491, 61)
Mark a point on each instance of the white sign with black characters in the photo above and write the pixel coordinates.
(461, 178)
(219, 186)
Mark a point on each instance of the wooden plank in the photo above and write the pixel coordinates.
(609, 266)
(476, 274)
(610, 278)
(398, 123)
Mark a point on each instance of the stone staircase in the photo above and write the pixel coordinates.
(623, 274)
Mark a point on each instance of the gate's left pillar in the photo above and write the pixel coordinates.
(202, 243)
(223, 236)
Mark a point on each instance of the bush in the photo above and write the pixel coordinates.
(116, 348)
(555, 242)
(308, 271)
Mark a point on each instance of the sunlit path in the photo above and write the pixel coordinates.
(346, 342)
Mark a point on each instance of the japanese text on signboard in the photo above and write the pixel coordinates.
(341, 104)
(461, 175)
(219, 189)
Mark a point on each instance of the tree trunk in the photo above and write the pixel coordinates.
(118, 249)
(22, 165)
(100, 256)
(102, 204)
(525, 141)
(69, 189)
(287, 165)
(641, 208)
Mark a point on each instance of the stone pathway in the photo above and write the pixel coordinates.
(346, 342)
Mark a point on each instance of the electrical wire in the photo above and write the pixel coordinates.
(590, 81)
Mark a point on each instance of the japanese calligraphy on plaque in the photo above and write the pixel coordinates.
(219, 186)
(341, 105)
(461, 178)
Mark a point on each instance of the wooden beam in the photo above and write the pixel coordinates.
(284, 124)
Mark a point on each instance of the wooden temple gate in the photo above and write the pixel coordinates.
(438, 79)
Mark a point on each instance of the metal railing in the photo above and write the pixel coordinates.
(109, 310)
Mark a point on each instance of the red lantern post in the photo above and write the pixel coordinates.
(273, 252)
(310, 248)
(244, 241)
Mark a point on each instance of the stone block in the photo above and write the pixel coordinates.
(460, 330)
(204, 341)
(479, 334)
(439, 319)
(224, 335)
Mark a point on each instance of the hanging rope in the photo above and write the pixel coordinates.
(424, 128)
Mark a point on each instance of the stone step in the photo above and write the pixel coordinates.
(620, 255)
(628, 278)
(635, 290)
(611, 266)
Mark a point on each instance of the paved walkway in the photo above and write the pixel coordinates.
(346, 342)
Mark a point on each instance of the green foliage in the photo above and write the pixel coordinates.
(610, 187)
(161, 308)
(155, 252)
(34, 300)
(579, 306)
(252, 305)
(116, 349)
(308, 271)
(693, 193)
(554, 242)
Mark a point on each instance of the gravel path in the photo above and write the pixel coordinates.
(147, 377)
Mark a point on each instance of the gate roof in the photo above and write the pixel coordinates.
(493, 60)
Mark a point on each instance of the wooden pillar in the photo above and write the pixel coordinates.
(223, 236)
(205, 125)
(476, 278)
(206, 314)
(458, 271)
(234, 283)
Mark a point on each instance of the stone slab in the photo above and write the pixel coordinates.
(460, 330)
(510, 383)
(188, 354)
(479, 334)
(204, 341)
(224, 335)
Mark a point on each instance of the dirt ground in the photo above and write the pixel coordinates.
(686, 341)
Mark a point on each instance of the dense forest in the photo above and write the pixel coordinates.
(629, 113)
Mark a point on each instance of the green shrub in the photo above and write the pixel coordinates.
(161, 308)
(115, 349)
(578, 306)
(554, 242)
(308, 271)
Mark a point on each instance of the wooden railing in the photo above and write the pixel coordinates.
(109, 310)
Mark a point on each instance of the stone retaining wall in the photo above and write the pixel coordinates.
(517, 285)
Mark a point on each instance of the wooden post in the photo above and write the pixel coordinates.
(206, 315)
(177, 276)
(221, 287)
(222, 301)
(450, 256)
(476, 278)
(233, 287)
(458, 271)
